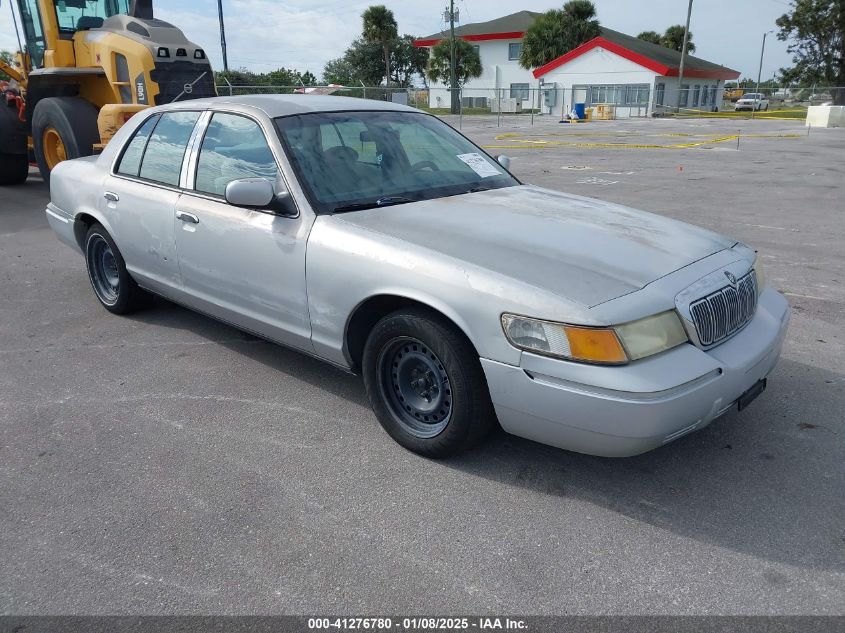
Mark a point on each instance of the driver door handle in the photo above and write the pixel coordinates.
(111, 197)
(187, 217)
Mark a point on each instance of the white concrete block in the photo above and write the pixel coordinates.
(825, 116)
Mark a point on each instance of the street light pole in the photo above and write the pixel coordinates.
(222, 35)
(683, 57)
(453, 80)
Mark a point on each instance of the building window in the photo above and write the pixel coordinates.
(632, 95)
(684, 100)
(514, 51)
(477, 49)
(705, 94)
(636, 94)
(660, 97)
(519, 91)
(696, 93)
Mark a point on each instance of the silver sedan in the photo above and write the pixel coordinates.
(377, 238)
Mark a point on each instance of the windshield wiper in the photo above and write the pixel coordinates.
(384, 201)
(477, 189)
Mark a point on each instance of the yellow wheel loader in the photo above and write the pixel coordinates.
(86, 67)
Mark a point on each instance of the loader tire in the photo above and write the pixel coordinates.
(14, 168)
(63, 128)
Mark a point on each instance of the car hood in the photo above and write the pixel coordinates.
(581, 249)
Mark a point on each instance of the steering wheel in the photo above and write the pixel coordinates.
(342, 153)
(424, 164)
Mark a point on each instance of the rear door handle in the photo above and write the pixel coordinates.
(111, 197)
(187, 217)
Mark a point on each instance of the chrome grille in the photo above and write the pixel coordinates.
(725, 311)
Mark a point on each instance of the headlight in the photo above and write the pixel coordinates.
(652, 335)
(613, 346)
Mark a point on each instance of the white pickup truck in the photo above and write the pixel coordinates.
(753, 101)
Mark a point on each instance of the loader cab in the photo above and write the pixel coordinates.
(81, 15)
(48, 22)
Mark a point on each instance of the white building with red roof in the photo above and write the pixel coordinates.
(634, 77)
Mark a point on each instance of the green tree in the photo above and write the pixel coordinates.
(815, 32)
(367, 61)
(467, 62)
(650, 36)
(558, 31)
(407, 61)
(278, 77)
(674, 38)
(8, 58)
(380, 28)
(339, 71)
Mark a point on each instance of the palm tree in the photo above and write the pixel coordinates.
(380, 28)
(558, 31)
(674, 38)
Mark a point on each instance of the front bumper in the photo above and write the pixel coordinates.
(627, 410)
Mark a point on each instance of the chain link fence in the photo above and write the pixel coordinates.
(578, 102)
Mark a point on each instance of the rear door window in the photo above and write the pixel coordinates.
(165, 151)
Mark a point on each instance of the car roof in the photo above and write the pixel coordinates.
(289, 104)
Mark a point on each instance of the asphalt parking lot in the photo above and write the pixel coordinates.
(166, 463)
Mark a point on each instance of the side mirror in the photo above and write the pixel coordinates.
(256, 193)
(366, 137)
(504, 161)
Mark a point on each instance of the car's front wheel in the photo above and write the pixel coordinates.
(425, 383)
(112, 284)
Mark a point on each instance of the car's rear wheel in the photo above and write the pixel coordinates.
(112, 283)
(425, 383)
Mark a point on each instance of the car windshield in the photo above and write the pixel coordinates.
(355, 160)
(751, 95)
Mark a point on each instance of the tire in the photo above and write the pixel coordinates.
(112, 284)
(73, 120)
(14, 169)
(425, 384)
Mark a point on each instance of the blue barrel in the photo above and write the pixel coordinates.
(581, 110)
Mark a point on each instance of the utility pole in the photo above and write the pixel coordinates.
(222, 35)
(760, 69)
(453, 79)
(683, 57)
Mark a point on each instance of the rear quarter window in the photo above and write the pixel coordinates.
(130, 162)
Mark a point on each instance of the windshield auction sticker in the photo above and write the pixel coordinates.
(479, 165)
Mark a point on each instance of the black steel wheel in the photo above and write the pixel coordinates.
(415, 386)
(112, 284)
(425, 383)
(102, 269)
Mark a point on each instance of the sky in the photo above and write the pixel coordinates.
(263, 35)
